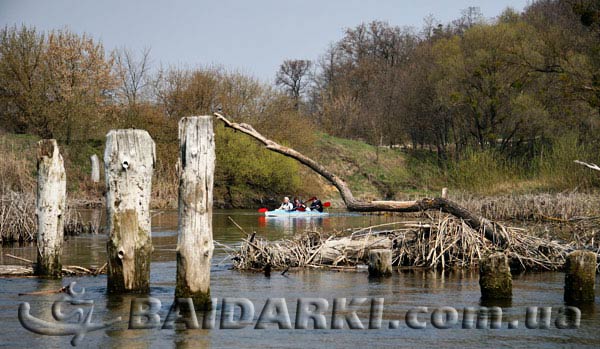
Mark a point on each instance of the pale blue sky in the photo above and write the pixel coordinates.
(251, 36)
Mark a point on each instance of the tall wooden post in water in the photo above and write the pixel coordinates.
(580, 277)
(195, 243)
(129, 160)
(50, 208)
(95, 172)
(495, 279)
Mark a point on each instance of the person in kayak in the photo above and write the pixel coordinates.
(298, 205)
(316, 204)
(286, 205)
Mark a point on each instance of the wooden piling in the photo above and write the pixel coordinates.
(580, 277)
(495, 279)
(129, 159)
(195, 243)
(380, 262)
(95, 172)
(50, 208)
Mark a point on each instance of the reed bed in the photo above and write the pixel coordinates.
(18, 223)
(437, 243)
(561, 207)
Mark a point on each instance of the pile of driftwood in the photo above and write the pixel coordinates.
(442, 242)
(25, 270)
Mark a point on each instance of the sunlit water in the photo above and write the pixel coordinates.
(403, 291)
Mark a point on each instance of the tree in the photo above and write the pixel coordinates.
(132, 73)
(293, 78)
(55, 85)
(21, 74)
(361, 82)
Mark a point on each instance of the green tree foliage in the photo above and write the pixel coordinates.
(244, 169)
(511, 85)
(56, 85)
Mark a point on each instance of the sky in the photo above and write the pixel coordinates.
(250, 36)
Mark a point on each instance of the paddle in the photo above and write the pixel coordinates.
(263, 210)
(326, 204)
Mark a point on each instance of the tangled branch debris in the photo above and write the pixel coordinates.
(445, 242)
(27, 270)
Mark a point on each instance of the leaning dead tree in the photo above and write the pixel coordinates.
(492, 231)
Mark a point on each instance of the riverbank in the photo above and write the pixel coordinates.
(373, 173)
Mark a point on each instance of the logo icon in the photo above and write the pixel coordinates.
(75, 323)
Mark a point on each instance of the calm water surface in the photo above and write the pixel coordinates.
(402, 292)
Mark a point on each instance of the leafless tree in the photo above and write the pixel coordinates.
(293, 77)
(132, 73)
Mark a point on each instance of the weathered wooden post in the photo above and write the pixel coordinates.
(50, 208)
(95, 174)
(580, 277)
(129, 160)
(380, 262)
(495, 279)
(444, 193)
(195, 243)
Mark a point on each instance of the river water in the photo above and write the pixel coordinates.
(403, 293)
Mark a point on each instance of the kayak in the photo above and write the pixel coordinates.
(284, 213)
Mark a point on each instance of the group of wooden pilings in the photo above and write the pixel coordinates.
(129, 160)
(495, 279)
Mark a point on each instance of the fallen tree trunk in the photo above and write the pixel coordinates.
(345, 249)
(492, 231)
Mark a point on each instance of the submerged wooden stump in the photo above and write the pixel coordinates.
(495, 279)
(95, 172)
(580, 277)
(380, 263)
(129, 160)
(195, 244)
(50, 208)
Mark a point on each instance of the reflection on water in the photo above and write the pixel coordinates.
(405, 290)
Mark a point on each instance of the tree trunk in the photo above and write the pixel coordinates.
(195, 244)
(95, 174)
(50, 208)
(129, 160)
(490, 229)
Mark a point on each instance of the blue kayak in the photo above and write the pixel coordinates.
(284, 213)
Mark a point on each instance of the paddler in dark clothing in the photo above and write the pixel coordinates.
(316, 204)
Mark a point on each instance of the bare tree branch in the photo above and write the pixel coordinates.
(592, 166)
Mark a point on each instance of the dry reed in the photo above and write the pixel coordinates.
(18, 223)
(565, 206)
